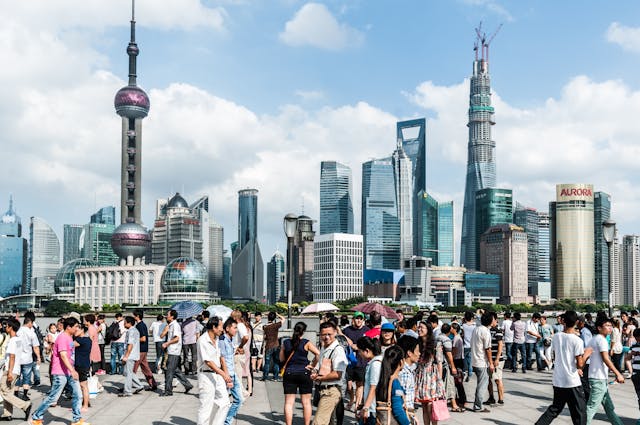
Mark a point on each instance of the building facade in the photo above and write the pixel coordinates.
(336, 198)
(544, 243)
(445, 234)
(44, 257)
(631, 270)
(493, 207)
(303, 259)
(247, 269)
(403, 179)
(616, 267)
(572, 245)
(276, 278)
(96, 244)
(380, 225)
(380, 283)
(417, 282)
(13, 254)
(503, 251)
(216, 258)
(105, 215)
(337, 267)
(483, 287)
(427, 226)
(71, 242)
(528, 219)
(601, 212)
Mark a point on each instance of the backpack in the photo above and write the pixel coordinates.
(36, 330)
(352, 359)
(113, 333)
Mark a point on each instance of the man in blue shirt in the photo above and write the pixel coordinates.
(227, 350)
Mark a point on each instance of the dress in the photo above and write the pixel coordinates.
(429, 385)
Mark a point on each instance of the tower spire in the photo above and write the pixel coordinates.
(11, 211)
(132, 48)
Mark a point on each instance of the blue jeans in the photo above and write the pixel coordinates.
(482, 375)
(159, 355)
(523, 353)
(467, 361)
(271, 362)
(58, 383)
(238, 399)
(117, 351)
(508, 347)
(531, 348)
(25, 374)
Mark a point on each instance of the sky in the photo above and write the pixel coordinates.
(255, 94)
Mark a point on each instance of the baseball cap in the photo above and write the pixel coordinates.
(388, 327)
(358, 314)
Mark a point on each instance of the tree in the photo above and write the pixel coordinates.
(57, 308)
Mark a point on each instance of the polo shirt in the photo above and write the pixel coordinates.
(208, 351)
(174, 330)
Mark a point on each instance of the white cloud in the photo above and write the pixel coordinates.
(314, 25)
(492, 6)
(309, 95)
(627, 37)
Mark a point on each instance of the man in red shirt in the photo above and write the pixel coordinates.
(375, 321)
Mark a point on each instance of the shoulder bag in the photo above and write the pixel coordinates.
(384, 415)
(293, 350)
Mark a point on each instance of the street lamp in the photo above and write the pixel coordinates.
(290, 225)
(608, 232)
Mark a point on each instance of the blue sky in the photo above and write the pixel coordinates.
(257, 93)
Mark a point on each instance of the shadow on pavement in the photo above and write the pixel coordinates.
(265, 419)
(537, 396)
(497, 422)
(175, 420)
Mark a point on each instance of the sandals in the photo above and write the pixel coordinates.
(459, 409)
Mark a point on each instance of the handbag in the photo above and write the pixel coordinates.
(439, 410)
(284, 367)
(384, 416)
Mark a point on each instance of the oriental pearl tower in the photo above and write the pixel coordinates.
(130, 241)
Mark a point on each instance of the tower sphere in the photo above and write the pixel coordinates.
(132, 102)
(130, 239)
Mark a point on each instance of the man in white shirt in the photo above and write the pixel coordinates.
(174, 348)
(328, 373)
(156, 330)
(598, 350)
(213, 376)
(567, 387)
(131, 356)
(508, 339)
(10, 372)
(481, 359)
(531, 340)
(468, 326)
(30, 345)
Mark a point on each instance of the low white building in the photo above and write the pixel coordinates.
(337, 267)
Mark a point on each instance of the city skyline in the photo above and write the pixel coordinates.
(577, 111)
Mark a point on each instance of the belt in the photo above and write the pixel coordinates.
(208, 371)
(324, 387)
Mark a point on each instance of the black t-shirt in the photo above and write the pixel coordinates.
(142, 328)
(83, 352)
(354, 334)
(496, 336)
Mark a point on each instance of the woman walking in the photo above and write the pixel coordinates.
(429, 385)
(369, 350)
(389, 392)
(294, 355)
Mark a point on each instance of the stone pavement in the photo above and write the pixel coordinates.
(526, 398)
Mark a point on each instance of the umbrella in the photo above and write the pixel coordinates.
(319, 308)
(383, 310)
(187, 309)
(222, 311)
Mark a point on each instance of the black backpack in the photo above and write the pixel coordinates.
(113, 333)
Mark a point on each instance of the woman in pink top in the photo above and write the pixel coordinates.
(95, 357)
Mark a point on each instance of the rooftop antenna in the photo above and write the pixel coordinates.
(484, 42)
(132, 49)
(302, 206)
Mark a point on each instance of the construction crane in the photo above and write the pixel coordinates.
(481, 37)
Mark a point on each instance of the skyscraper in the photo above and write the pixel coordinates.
(96, 244)
(631, 270)
(492, 207)
(247, 276)
(402, 173)
(336, 206)
(528, 219)
(44, 257)
(601, 212)
(303, 259)
(617, 270)
(216, 258)
(71, 242)
(105, 215)
(481, 166)
(380, 225)
(176, 232)
(572, 243)
(544, 243)
(13, 254)
(276, 278)
(427, 226)
(445, 233)
(337, 267)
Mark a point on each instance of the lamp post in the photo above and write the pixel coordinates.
(290, 225)
(608, 232)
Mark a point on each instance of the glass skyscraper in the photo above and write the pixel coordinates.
(481, 166)
(380, 225)
(402, 174)
(336, 206)
(105, 215)
(71, 242)
(427, 227)
(492, 207)
(445, 233)
(601, 212)
(96, 244)
(13, 254)
(44, 257)
(276, 278)
(527, 218)
(544, 243)
(247, 268)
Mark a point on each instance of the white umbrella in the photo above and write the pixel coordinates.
(319, 308)
(222, 311)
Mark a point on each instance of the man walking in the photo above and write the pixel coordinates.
(481, 359)
(130, 358)
(63, 373)
(116, 334)
(174, 347)
(189, 339)
(227, 351)
(144, 349)
(508, 339)
(531, 340)
(468, 326)
(585, 335)
(30, 346)
(157, 328)
(497, 357)
(567, 388)
(518, 327)
(328, 373)
(213, 377)
(10, 373)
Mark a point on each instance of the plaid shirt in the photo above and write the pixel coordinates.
(407, 379)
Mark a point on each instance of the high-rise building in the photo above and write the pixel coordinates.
(616, 267)
(336, 205)
(71, 241)
(503, 251)
(216, 258)
(481, 166)
(13, 254)
(176, 232)
(601, 212)
(412, 136)
(493, 207)
(528, 219)
(247, 276)
(403, 179)
(105, 215)
(276, 278)
(225, 292)
(631, 270)
(572, 243)
(96, 244)
(445, 234)
(44, 257)
(544, 243)
(427, 227)
(303, 259)
(380, 225)
(337, 267)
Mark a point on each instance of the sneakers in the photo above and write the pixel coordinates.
(100, 372)
(37, 421)
(491, 401)
(80, 422)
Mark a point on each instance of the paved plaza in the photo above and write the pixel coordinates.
(527, 397)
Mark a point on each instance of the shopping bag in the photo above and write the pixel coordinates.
(439, 410)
